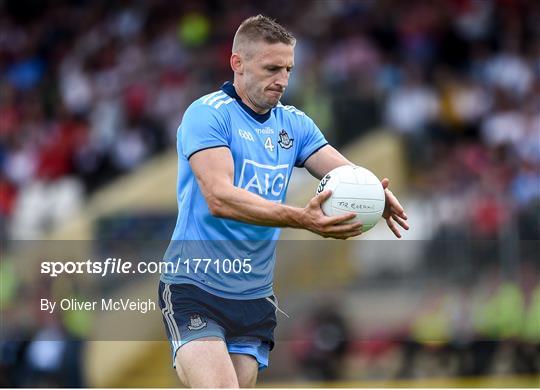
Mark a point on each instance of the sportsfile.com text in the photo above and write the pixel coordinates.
(117, 266)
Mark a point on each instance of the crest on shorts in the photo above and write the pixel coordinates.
(284, 141)
(196, 322)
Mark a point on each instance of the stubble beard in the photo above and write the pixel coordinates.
(270, 102)
(263, 102)
(258, 97)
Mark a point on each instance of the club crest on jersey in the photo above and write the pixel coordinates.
(284, 141)
(196, 322)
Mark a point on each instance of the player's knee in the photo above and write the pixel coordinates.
(231, 383)
(219, 378)
(218, 382)
(247, 380)
(246, 369)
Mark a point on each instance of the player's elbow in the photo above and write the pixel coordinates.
(216, 206)
(217, 198)
(216, 210)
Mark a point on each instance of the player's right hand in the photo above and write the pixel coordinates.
(314, 220)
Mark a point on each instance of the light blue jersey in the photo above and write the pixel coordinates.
(228, 258)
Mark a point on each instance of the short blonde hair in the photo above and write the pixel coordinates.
(260, 28)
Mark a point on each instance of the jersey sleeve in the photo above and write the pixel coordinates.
(312, 140)
(202, 128)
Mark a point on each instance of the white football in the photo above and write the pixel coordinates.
(354, 189)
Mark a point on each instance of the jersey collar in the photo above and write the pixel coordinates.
(229, 89)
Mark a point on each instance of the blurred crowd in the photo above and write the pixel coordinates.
(90, 90)
(489, 329)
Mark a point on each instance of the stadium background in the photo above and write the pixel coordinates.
(443, 97)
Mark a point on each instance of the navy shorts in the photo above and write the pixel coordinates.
(190, 313)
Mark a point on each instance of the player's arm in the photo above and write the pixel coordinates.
(214, 170)
(327, 158)
(324, 160)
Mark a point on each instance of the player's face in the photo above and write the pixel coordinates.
(266, 74)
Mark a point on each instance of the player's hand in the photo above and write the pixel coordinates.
(314, 220)
(393, 211)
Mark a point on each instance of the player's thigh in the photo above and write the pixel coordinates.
(247, 368)
(206, 362)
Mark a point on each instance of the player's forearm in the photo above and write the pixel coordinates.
(241, 205)
(324, 161)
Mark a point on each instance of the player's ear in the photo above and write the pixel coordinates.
(237, 64)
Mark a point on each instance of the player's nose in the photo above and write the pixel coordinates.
(283, 79)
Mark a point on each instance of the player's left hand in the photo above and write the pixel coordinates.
(393, 211)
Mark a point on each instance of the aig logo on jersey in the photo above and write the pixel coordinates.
(268, 181)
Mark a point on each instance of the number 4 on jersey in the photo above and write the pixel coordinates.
(268, 144)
